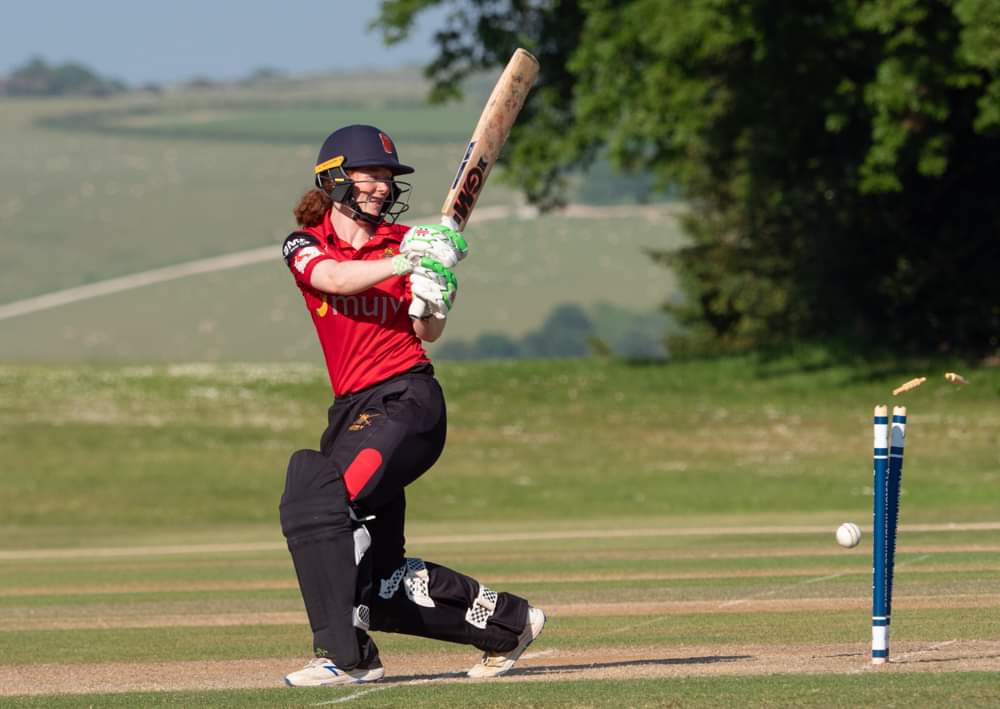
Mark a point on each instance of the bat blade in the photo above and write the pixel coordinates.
(498, 116)
(488, 138)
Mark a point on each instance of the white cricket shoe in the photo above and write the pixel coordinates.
(321, 672)
(495, 664)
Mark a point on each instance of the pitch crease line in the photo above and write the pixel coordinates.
(352, 697)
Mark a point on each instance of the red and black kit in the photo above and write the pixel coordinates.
(366, 337)
(343, 507)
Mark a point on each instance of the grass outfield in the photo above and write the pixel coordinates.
(675, 521)
(562, 440)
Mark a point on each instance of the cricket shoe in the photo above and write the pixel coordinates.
(321, 672)
(495, 664)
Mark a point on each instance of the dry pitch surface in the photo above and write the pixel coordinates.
(540, 666)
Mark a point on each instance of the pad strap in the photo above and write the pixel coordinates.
(482, 608)
(362, 617)
(415, 579)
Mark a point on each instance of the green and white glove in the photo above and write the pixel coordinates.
(434, 288)
(441, 243)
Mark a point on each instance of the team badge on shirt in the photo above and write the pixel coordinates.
(303, 257)
(363, 421)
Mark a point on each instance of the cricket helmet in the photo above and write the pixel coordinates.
(355, 147)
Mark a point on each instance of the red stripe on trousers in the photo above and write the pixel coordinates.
(361, 469)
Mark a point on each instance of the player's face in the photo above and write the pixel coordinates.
(372, 187)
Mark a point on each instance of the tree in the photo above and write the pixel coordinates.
(566, 332)
(493, 345)
(837, 156)
(37, 78)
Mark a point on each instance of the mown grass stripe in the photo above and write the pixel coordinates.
(75, 618)
(467, 539)
(752, 576)
(854, 586)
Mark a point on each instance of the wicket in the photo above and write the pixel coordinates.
(887, 476)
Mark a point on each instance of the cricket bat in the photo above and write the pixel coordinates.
(495, 122)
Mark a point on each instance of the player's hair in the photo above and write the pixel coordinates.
(311, 208)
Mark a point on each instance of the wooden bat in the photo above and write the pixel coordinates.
(491, 132)
(488, 138)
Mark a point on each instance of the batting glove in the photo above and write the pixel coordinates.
(436, 286)
(435, 241)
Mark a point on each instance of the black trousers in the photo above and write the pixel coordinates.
(343, 513)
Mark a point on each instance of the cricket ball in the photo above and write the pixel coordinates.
(848, 535)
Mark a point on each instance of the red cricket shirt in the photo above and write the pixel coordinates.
(366, 337)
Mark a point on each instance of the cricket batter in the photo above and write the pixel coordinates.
(343, 508)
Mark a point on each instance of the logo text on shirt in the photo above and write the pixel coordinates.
(379, 308)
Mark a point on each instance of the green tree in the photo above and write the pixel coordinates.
(566, 332)
(837, 156)
(37, 78)
(493, 345)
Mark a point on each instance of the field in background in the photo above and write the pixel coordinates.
(519, 271)
(93, 190)
(676, 520)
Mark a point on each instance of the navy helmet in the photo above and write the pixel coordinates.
(360, 146)
(354, 147)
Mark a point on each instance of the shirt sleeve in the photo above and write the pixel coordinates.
(302, 252)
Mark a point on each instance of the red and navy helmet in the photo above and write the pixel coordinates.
(360, 146)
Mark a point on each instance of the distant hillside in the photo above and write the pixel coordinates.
(38, 78)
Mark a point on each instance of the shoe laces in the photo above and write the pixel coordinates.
(318, 662)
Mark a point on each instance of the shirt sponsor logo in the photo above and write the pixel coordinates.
(296, 242)
(379, 308)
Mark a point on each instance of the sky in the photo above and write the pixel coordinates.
(174, 40)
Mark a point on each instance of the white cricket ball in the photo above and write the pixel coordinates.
(848, 535)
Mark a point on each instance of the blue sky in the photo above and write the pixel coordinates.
(173, 40)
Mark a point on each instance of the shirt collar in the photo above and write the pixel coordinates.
(382, 233)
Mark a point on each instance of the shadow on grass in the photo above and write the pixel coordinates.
(652, 662)
(567, 669)
(939, 660)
